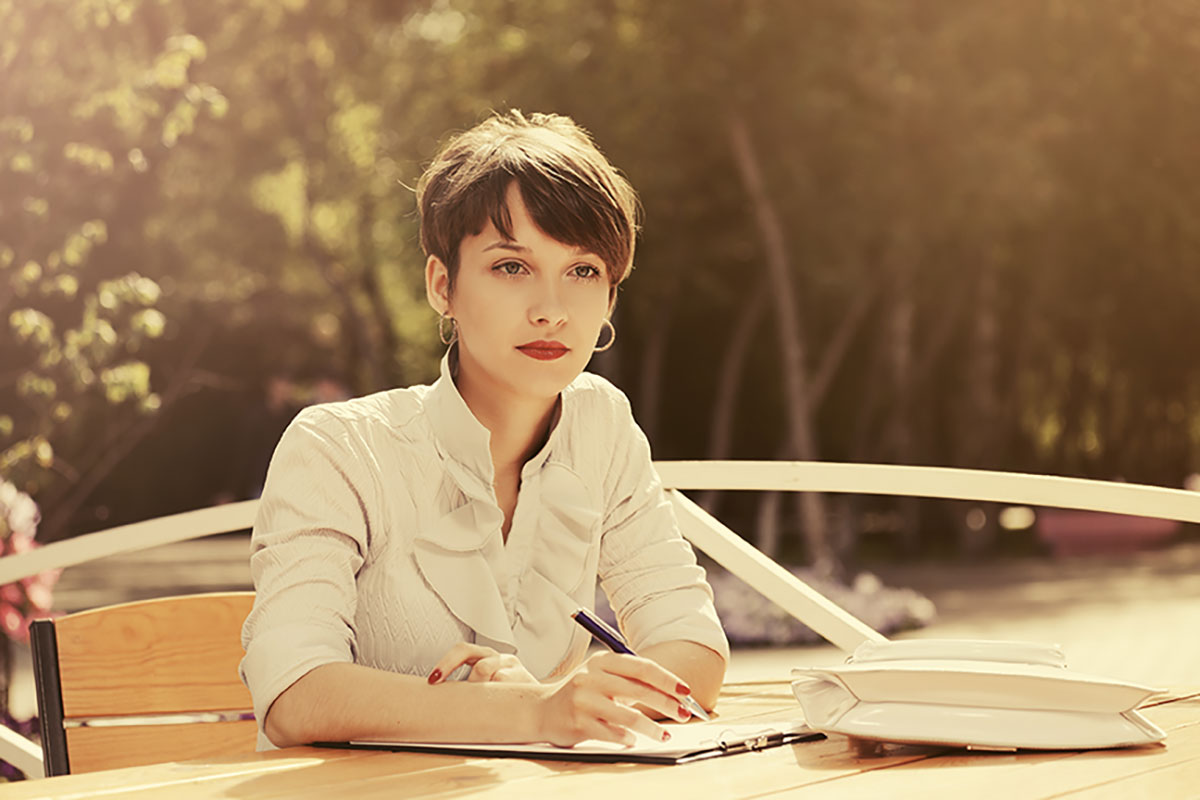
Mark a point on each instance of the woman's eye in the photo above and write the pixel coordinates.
(587, 271)
(509, 267)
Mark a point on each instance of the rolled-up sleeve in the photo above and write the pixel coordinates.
(647, 569)
(309, 541)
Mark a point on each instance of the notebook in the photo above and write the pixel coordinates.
(976, 694)
(692, 742)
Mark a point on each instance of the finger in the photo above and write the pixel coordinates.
(461, 653)
(648, 672)
(484, 670)
(602, 731)
(644, 671)
(622, 679)
(633, 691)
(501, 667)
(621, 716)
(634, 720)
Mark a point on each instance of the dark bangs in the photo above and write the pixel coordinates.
(576, 214)
(571, 191)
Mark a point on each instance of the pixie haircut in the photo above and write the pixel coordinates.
(571, 190)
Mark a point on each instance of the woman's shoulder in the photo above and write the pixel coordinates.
(393, 409)
(597, 418)
(592, 392)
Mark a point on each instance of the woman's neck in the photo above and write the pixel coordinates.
(519, 426)
(518, 437)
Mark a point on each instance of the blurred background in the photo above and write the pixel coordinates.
(943, 232)
(947, 232)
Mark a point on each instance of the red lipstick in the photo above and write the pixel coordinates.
(543, 350)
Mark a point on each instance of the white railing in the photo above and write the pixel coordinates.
(703, 530)
(1015, 488)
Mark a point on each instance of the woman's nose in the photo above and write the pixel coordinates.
(548, 307)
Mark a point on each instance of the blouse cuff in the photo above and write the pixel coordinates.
(278, 658)
(680, 615)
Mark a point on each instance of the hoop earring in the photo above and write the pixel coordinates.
(611, 339)
(451, 337)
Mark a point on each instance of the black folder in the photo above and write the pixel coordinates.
(691, 742)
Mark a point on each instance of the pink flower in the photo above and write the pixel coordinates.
(46, 578)
(22, 516)
(20, 601)
(10, 620)
(40, 596)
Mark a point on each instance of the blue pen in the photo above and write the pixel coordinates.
(613, 641)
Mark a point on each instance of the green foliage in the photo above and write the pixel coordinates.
(1017, 209)
(81, 120)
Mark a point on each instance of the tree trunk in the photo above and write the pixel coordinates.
(651, 377)
(729, 381)
(733, 364)
(388, 351)
(877, 417)
(791, 341)
(766, 533)
(977, 435)
(835, 352)
(900, 374)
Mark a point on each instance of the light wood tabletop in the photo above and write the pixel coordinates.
(835, 767)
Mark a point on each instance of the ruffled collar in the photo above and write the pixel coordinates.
(517, 598)
(459, 436)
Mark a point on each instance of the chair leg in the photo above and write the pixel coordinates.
(43, 641)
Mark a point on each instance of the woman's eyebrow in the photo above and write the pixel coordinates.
(506, 245)
(516, 247)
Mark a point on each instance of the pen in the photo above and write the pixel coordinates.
(613, 641)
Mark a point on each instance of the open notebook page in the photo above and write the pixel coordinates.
(685, 739)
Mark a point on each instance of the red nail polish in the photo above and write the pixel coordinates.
(684, 712)
(666, 736)
(681, 689)
(435, 676)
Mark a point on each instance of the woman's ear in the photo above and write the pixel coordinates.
(437, 284)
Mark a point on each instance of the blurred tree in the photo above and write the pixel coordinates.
(89, 106)
(982, 248)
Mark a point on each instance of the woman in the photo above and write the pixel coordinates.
(417, 532)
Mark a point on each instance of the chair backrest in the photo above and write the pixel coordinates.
(143, 682)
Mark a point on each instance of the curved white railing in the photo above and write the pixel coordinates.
(1016, 488)
(129, 539)
(797, 476)
(701, 528)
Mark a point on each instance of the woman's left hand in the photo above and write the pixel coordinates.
(486, 665)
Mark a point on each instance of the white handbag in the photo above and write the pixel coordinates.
(976, 694)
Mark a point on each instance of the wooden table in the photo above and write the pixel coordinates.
(827, 768)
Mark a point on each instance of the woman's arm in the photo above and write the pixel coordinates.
(342, 702)
(700, 667)
(649, 571)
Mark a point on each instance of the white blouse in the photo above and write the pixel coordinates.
(378, 541)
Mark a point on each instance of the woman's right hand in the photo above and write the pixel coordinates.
(596, 701)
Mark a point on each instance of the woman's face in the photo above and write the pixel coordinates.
(529, 309)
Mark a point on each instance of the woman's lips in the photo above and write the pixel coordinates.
(544, 351)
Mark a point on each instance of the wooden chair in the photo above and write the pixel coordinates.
(166, 668)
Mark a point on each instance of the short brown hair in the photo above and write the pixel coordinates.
(571, 190)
